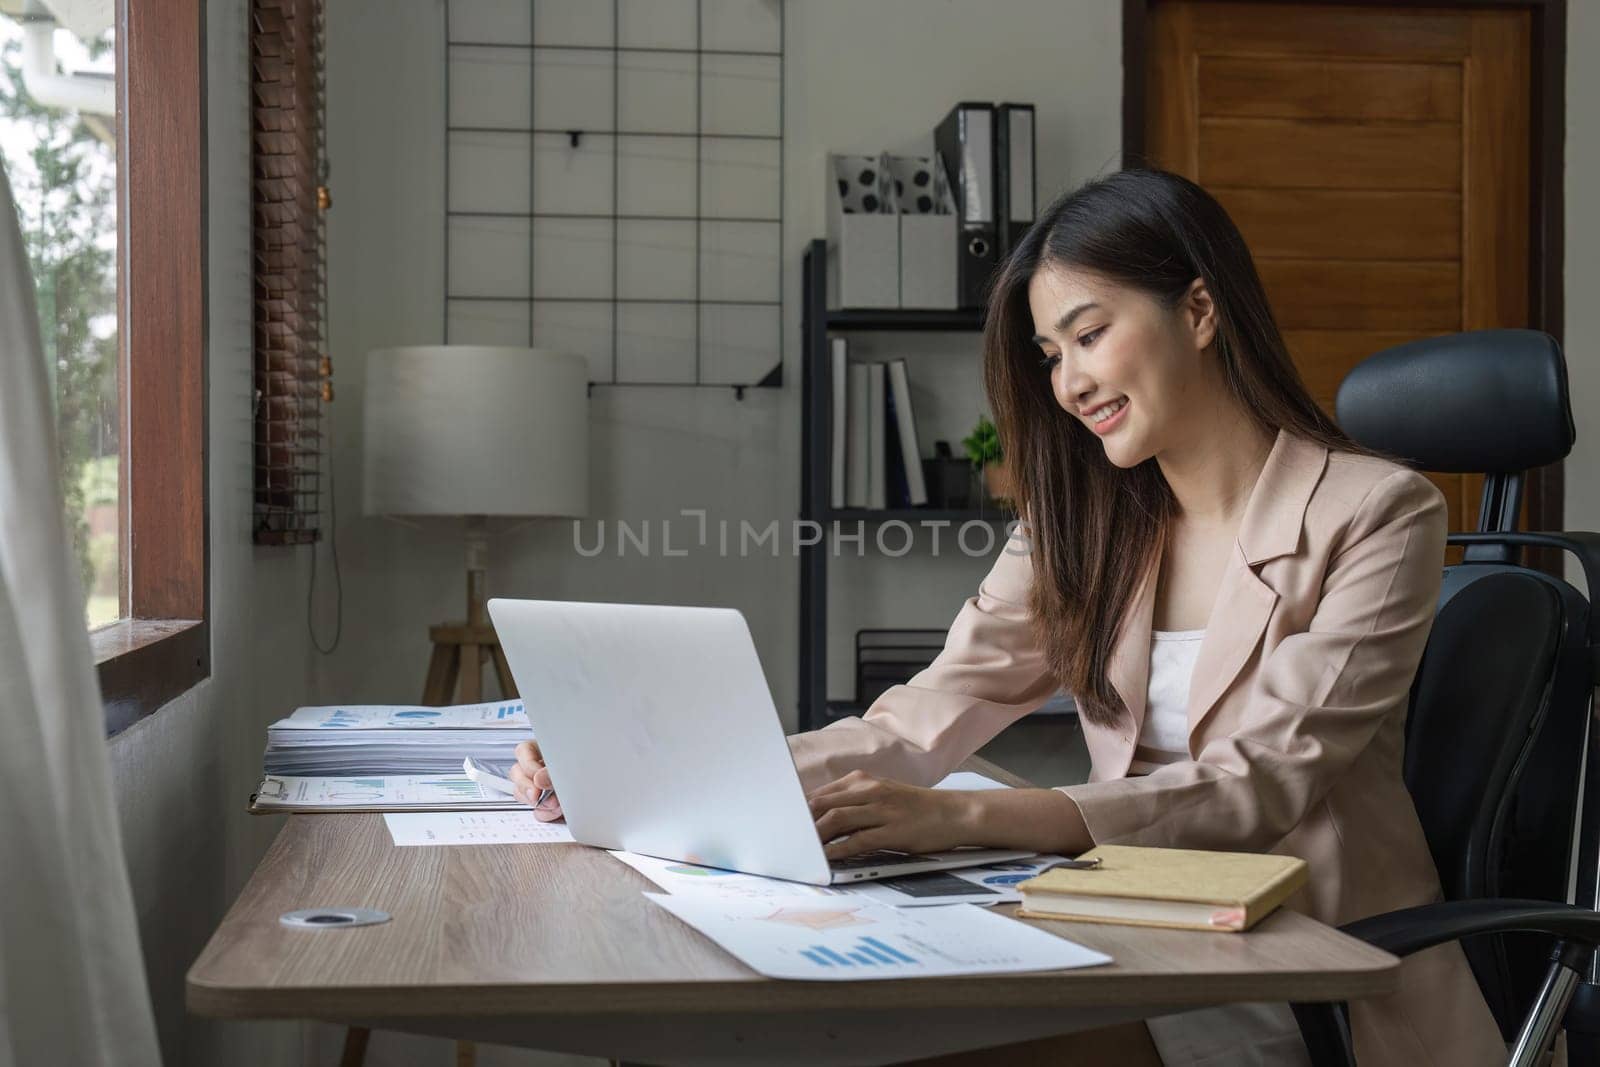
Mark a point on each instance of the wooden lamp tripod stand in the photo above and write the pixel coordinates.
(460, 650)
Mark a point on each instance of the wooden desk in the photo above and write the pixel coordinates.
(553, 947)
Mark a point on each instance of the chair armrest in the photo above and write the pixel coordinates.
(1582, 545)
(1414, 929)
(1325, 1027)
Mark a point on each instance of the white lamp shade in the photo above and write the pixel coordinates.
(475, 430)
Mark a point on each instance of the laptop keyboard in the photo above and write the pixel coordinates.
(876, 858)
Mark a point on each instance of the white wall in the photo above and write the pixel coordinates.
(183, 774)
(860, 76)
(1582, 330)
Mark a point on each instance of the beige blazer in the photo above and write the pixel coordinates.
(1296, 718)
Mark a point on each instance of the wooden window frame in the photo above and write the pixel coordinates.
(161, 647)
(1545, 487)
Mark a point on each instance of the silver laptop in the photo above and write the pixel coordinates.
(662, 738)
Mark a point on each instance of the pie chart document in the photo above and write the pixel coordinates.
(847, 939)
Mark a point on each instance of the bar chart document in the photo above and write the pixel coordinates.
(474, 828)
(844, 939)
(402, 792)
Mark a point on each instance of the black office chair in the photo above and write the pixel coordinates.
(1496, 738)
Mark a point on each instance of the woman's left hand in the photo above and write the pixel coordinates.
(879, 813)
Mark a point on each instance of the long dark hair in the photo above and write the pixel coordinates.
(1094, 528)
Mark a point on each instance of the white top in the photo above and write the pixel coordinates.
(1263, 1035)
(1164, 737)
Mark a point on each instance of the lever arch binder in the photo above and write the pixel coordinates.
(965, 140)
(1017, 175)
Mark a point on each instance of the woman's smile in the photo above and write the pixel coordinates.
(1105, 418)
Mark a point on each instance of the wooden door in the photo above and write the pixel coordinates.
(1375, 159)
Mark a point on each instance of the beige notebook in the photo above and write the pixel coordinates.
(1172, 887)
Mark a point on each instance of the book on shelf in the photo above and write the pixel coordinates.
(856, 487)
(896, 491)
(875, 458)
(904, 428)
(877, 472)
(839, 354)
(1184, 889)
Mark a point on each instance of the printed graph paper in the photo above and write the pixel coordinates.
(615, 184)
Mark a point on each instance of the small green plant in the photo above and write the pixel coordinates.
(983, 444)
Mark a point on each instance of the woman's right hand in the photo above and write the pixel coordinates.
(531, 777)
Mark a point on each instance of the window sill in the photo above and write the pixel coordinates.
(145, 663)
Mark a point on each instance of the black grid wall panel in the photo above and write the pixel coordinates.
(603, 196)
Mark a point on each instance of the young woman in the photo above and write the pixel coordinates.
(1236, 595)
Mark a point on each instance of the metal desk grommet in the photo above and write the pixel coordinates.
(332, 918)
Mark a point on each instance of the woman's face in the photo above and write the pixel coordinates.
(1125, 366)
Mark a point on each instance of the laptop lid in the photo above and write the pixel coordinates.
(660, 733)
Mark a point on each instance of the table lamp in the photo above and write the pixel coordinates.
(474, 432)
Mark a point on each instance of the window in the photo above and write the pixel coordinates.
(58, 139)
(101, 133)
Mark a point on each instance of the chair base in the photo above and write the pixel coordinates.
(1325, 1027)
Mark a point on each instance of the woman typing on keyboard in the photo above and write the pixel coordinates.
(1235, 594)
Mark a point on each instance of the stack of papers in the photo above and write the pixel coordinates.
(382, 740)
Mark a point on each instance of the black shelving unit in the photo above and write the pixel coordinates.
(816, 391)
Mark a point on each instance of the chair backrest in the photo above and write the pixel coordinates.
(1494, 741)
(1482, 720)
(1481, 692)
(1489, 401)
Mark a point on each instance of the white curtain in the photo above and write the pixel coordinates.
(72, 984)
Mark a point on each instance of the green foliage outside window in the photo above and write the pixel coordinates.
(63, 179)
